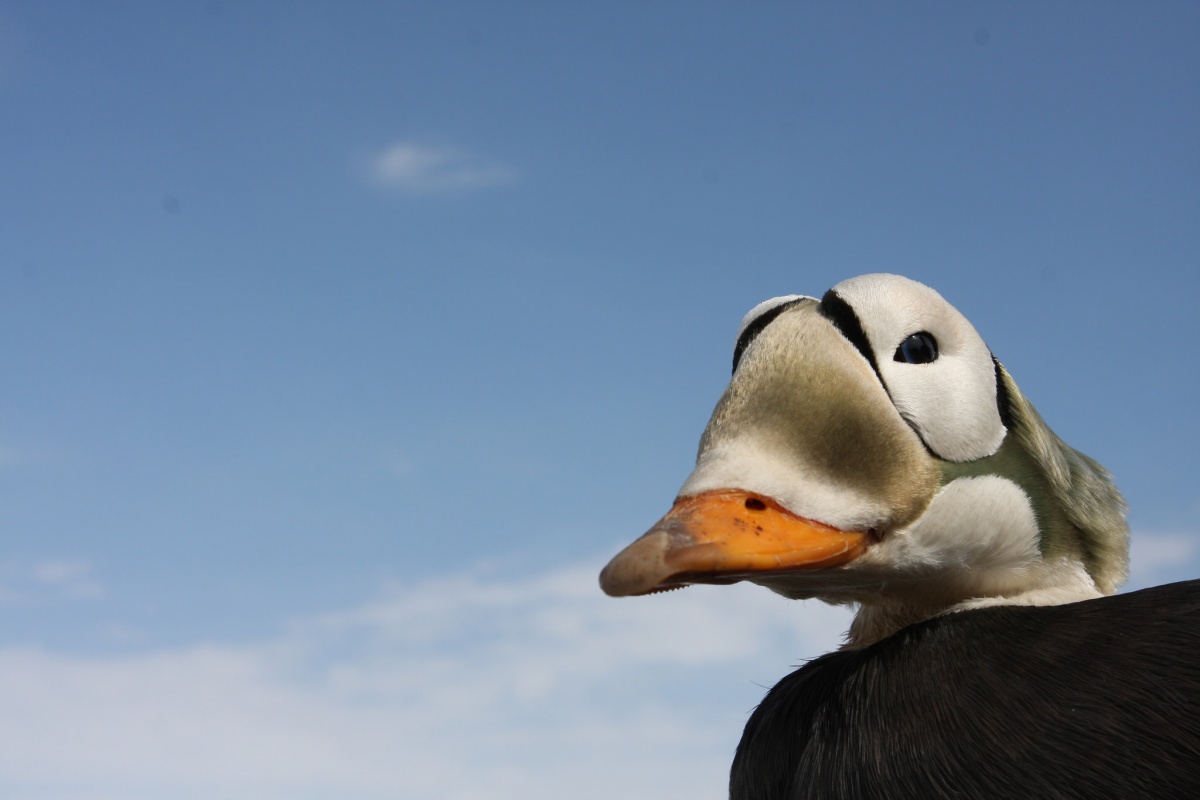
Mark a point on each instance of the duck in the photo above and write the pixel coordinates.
(871, 451)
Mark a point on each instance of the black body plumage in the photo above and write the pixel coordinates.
(1090, 700)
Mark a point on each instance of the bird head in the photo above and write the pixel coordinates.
(870, 450)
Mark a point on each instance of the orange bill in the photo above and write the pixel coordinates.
(723, 537)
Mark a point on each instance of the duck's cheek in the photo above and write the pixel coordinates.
(979, 530)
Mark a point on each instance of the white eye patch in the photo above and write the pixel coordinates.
(949, 399)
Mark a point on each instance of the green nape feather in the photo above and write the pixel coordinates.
(1079, 509)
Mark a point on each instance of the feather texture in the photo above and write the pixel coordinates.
(1090, 700)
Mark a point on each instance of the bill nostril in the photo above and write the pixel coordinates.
(754, 504)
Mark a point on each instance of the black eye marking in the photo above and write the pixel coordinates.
(919, 348)
(756, 327)
(838, 311)
(1003, 399)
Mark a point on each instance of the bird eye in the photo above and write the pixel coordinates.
(920, 348)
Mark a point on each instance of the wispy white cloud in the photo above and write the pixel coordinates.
(72, 579)
(422, 169)
(24, 582)
(475, 685)
(463, 687)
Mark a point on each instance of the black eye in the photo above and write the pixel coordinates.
(920, 348)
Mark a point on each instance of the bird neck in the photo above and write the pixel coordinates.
(1053, 583)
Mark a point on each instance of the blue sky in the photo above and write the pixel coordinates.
(344, 343)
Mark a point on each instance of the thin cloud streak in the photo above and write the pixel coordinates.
(24, 583)
(425, 169)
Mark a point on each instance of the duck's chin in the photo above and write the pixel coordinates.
(978, 544)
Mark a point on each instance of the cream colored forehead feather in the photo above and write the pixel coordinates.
(764, 307)
(890, 307)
